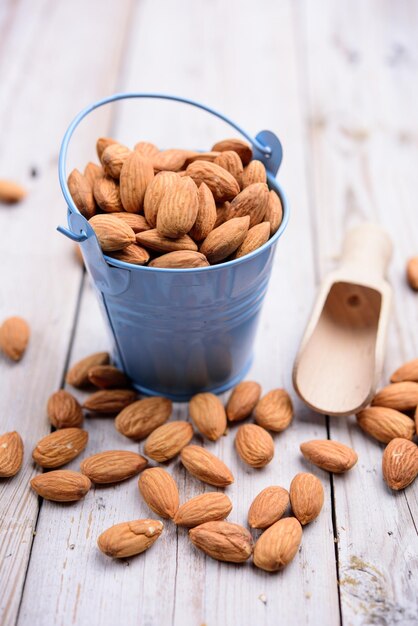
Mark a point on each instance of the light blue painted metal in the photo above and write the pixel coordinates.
(178, 332)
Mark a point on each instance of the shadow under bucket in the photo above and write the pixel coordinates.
(177, 332)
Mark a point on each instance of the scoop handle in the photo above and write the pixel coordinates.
(367, 250)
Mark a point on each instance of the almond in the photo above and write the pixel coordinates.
(208, 415)
(78, 374)
(274, 212)
(230, 161)
(223, 214)
(166, 441)
(136, 174)
(11, 454)
(61, 485)
(385, 424)
(112, 466)
(129, 538)
(243, 401)
(81, 190)
(242, 148)
(255, 238)
(268, 507)
(152, 240)
(180, 259)
(331, 456)
(202, 156)
(400, 396)
(208, 507)
(14, 337)
(160, 491)
(138, 223)
(163, 183)
(274, 411)
(178, 211)
(107, 377)
(107, 194)
(224, 240)
(140, 418)
(92, 172)
(306, 497)
(64, 411)
(407, 372)
(255, 172)
(400, 463)
(132, 254)
(412, 273)
(172, 159)
(254, 445)
(109, 401)
(278, 545)
(112, 233)
(221, 183)
(113, 157)
(206, 466)
(252, 201)
(416, 419)
(60, 447)
(223, 541)
(206, 215)
(11, 192)
(101, 145)
(146, 148)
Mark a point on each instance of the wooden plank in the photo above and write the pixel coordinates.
(49, 79)
(173, 583)
(363, 97)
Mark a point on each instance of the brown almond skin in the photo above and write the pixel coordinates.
(166, 441)
(178, 211)
(61, 485)
(11, 192)
(274, 212)
(407, 371)
(160, 492)
(268, 507)
(78, 374)
(306, 497)
(109, 401)
(208, 415)
(274, 411)
(146, 148)
(140, 418)
(254, 445)
(14, 337)
(180, 259)
(206, 466)
(135, 176)
(331, 456)
(107, 377)
(402, 396)
(172, 159)
(113, 157)
(64, 411)
(243, 400)
(255, 172)
(223, 214)
(385, 424)
(223, 541)
(400, 463)
(112, 466)
(206, 214)
(256, 237)
(278, 545)
(107, 194)
(230, 160)
(252, 201)
(60, 447)
(112, 233)
(102, 143)
(152, 240)
(224, 240)
(81, 190)
(412, 273)
(207, 507)
(92, 172)
(162, 184)
(221, 183)
(132, 254)
(242, 148)
(138, 223)
(129, 538)
(11, 454)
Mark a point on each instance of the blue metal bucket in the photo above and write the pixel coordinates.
(177, 332)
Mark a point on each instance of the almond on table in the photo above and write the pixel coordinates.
(64, 410)
(207, 507)
(268, 507)
(129, 538)
(243, 400)
(331, 456)
(11, 454)
(254, 445)
(166, 441)
(306, 497)
(78, 374)
(274, 411)
(109, 401)
(61, 485)
(11, 192)
(400, 463)
(206, 466)
(60, 447)
(112, 466)
(140, 418)
(160, 491)
(278, 545)
(223, 541)
(14, 337)
(208, 415)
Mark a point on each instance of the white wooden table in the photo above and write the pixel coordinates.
(338, 82)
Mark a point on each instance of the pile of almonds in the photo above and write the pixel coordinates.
(176, 208)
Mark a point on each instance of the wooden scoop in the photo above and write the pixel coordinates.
(341, 355)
